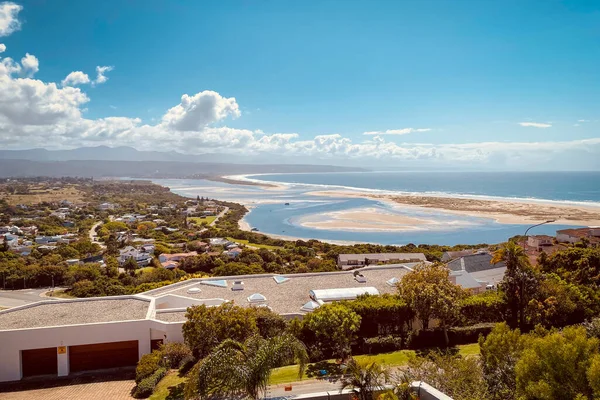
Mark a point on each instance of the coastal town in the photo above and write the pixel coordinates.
(130, 260)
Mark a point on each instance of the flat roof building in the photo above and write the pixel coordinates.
(349, 261)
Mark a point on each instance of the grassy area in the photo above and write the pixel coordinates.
(394, 359)
(40, 195)
(144, 270)
(199, 220)
(258, 246)
(62, 293)
(170, 387)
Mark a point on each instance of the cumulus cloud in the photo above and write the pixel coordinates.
(30, 64)
(197, 111)
(76, 78)
(2, 47)
(100, 71)
(535, 124)
(9, 21)
(404, 131)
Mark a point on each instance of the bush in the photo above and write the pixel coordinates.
(483, 307)
(459, 335)
(383, 344)
(148, 364)
(176, 353)
(146, 387)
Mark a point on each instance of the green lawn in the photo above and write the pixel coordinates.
(394, 359)
(199, 220)
(168, 387)
(258, 246)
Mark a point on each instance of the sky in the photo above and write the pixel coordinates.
(408, 84)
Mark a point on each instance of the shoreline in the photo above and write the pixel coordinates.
(503, 212)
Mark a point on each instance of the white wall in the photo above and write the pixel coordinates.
(12, 342)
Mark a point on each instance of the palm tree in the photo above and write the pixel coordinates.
(519, 282)
(365, 378)
(235, 370)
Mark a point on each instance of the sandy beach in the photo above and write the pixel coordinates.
(370, 219)
(504, 212)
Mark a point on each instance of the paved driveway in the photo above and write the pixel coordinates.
(14, 298)
(116, 386)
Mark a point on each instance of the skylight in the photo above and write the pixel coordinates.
(256, 298)
(218, 283)
(393, 282)
(310, 306)
(280, 279)
(194, 290)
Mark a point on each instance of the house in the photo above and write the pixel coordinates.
(539, 241)
(163, 258)
(591, 234)
(93, 259)
(59, 214)
(348, 261)
(219, 242)
(233, 253)
(68, 224)
(452, 255)
(67, 336)
(474, 263)
(107, 206)
(142, 258)
(170, 265)
(466, 280)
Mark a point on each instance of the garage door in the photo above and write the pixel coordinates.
(39, 362)
(103, 355)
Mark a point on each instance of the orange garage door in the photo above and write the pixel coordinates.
(103, 355)
(39, 362)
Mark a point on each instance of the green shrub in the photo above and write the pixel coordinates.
(147, 385)
(176, 353)
(483, 307)
(148, 364)
(428, 338)
(383, 344)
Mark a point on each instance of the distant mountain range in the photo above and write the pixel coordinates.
(105, 161)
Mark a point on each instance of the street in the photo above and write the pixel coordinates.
(14, 298)
(309, 386)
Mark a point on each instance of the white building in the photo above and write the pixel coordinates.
(61, 337)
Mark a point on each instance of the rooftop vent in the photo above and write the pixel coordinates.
(194, 290)
(393, 282)
(280, 279)
(310, 306)
(237, 285)
(256, 298)
(360, 278)
(218, 283)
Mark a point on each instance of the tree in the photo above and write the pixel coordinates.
(428, 291)
(240, 370)
(459, 377)
(556, 366)
(130, 265)
(335, 325)
(500, 351)
(365, 378)
(519, 283)
(207, 327)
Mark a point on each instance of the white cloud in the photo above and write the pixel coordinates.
(404, 131)
(583, 120)
(2, 47)
(100, 71)
(575, 124)
(76, 78)
(30, 64)
(9, 21)
(197, 111)
(535, 124)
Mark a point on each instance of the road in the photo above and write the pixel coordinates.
(15, 298)
(219, 216)
(310, 386)
(92, 234)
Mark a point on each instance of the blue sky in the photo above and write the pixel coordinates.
(458, 73)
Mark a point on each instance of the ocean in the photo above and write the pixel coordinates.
(270, 214)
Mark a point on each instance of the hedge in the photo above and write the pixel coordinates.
(146, 387)
(458, 335)
(483, 307)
